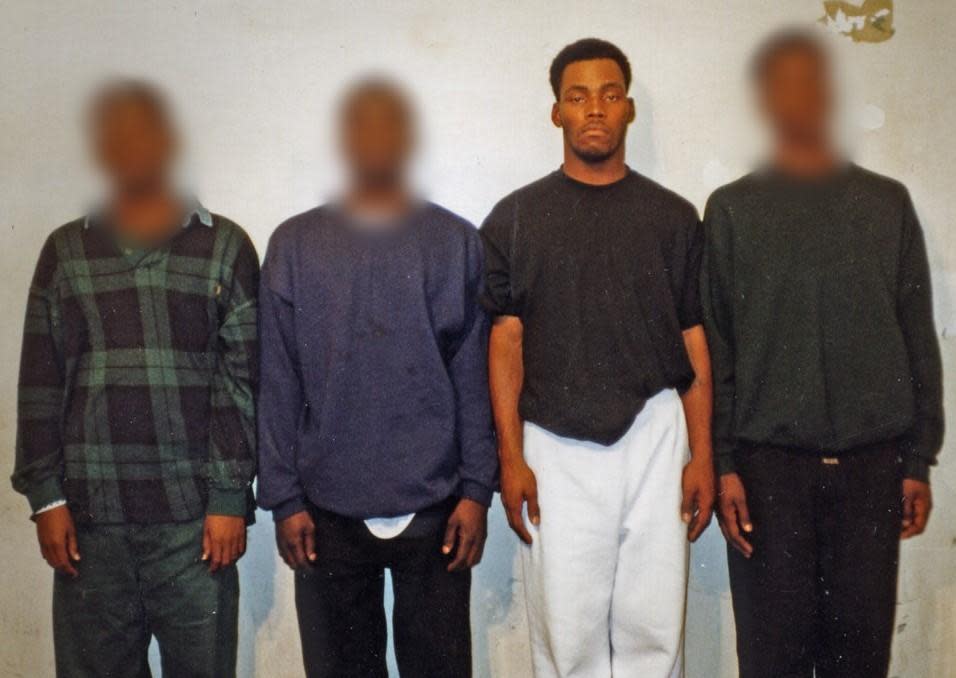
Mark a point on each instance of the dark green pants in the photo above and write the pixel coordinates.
(140, 581)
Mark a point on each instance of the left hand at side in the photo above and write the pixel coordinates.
(917, 504)
(465, 535)
(697, 506)
(223, 540)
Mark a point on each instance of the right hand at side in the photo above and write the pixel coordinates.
(518, 485)
(734, 517)
(57, 536)
(295, 537)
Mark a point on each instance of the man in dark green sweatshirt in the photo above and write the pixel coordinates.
(827, 383)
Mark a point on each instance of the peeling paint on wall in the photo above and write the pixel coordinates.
(871, 21)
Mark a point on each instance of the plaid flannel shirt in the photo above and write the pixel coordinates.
(138, 372)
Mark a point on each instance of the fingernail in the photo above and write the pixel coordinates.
(535, 520)
(748, 528)
(311, 556)
(685, 517)
(205, 556)
(446, 549)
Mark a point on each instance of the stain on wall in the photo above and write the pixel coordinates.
(871, 21)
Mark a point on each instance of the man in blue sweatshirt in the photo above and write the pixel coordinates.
(377, 446)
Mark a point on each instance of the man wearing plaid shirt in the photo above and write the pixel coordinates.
(135, 444)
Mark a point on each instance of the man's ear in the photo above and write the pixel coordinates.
(556, 115)
(633, 114)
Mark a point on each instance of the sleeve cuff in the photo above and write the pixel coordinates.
(724, 464)
(46, 492)
(228, 502)
(476, 492)
(915, 468)
(289, 508)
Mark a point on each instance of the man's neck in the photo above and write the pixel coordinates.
(147, 215)
(806, 160)
(599, 173)
(391, 200)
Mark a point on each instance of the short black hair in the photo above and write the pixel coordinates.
(129, 90)
(586, 50)
(786, 41)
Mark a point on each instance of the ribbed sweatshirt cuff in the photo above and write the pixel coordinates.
(288, 508)
(476, 492)
(916, 468)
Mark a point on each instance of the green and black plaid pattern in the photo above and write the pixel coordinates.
(137, 379)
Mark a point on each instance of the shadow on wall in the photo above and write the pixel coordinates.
(257, 571)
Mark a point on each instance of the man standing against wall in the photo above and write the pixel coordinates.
(599, 371)
(136, 430)
(828, 385)
(377, 446)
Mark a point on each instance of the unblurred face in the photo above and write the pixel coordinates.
(796, 97)
(133, 144)
(377, 138)
(593, 109)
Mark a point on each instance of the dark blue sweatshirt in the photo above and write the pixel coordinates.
(374, 392)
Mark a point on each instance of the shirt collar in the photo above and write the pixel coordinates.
(195, 210)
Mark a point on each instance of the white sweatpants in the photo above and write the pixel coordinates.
(606, 576)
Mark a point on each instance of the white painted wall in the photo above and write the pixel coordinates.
(254, 82)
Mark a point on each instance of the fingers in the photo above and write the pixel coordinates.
(701, 520)
(308, 542)
(909, 514)
(72, 547)
(451, 534)
(732, 524)
(206, 544)
(57, 556)
(466, 542)
(474, 557)
(916, 510)
(687, 504)
(516, 521)
(534, 511)
(216, 554)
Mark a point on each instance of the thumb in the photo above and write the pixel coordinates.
(309, 543)
(687, 505)
(451, 531)
(743, 515)
(72, 548)
(908, 510)
(534, 511)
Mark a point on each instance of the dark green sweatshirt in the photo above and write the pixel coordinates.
(818, 312)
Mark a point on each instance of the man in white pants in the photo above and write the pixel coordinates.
(600, 381)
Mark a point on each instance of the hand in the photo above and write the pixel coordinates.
(697, 506)
(519, 485)
(295, 537)
(57, 536)
(468, 525)
(223, 540)
(733, 516)
(917, 504)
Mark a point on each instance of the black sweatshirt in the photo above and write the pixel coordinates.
(604, 279)
(818, 310)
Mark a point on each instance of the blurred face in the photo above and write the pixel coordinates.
(796, 98)
(593, 109)
(134, 144)
(377, 137)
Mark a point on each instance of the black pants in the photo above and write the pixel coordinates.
(819, 593)
(340, 603)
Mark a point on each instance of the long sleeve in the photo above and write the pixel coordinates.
(281, 400)
(717, 293)
(39, 451)
(469, 373)
(922, 443)
(232, 429)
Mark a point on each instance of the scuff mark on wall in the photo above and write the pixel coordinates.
(871, 21)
